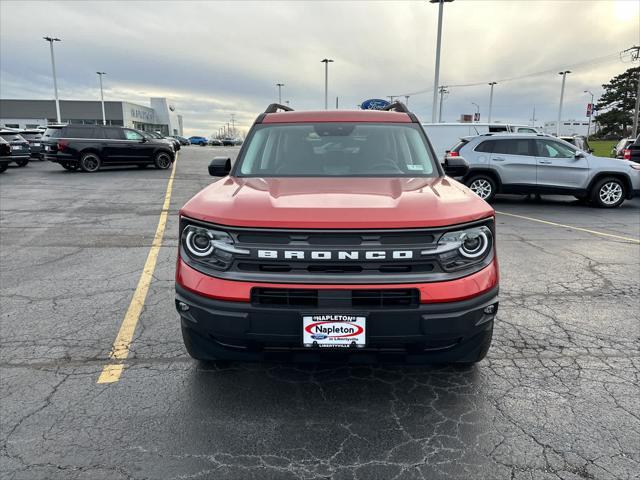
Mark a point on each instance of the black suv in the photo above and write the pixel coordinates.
(5, 154)
(88, 147)
(34, 137)
(20, 151)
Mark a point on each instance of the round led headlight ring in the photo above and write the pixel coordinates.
(199, 243)
(474, 245)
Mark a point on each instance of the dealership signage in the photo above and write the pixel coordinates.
(374, 104)
(142, 114)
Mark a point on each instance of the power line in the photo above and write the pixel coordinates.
(593, 61)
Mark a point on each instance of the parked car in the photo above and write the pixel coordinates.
(5, 155)
(34, 137)
(20, 152)
(158, 136)
(228, 142)
(578, 141)
(443, 136)
(618, 149)
(195, 140)
(542, 164)
(90, 147)
(632, 153)
(280, 259)
(216, 142)
(182, 140)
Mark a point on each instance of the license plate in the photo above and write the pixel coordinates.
(47, 148)
(16, 147)
(334, 331)
(36, 144)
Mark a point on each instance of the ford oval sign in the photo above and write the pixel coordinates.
(374, 104)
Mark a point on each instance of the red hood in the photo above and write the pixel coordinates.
(336, 203)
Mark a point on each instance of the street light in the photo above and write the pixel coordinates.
(492, 84)
(53, 67)
(590, 114)
(406, 100)
(326, 62)
(280, 85)
(477, 111)
(104, 118)
(564, 78)
(436, 78)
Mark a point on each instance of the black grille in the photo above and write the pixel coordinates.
(344, 268)
(328, 298)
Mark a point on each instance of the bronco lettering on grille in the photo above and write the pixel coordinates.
(335, 255)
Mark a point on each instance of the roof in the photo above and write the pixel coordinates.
(337, 116)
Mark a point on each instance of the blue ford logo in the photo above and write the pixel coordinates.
(374, 104)
(319, 336)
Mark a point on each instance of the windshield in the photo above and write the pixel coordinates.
(12, 137)
(336, 150)
(52, 132)
(32, 135)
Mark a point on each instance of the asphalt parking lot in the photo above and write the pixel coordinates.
(558, 396)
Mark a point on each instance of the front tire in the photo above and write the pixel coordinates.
(22, 163)
(608, 192)
(482, 185)
(162, 160)
(90, 162)
(3, 167)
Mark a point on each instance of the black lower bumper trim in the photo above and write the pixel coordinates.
(429, 333)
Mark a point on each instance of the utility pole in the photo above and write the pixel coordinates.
(391, 97)
(443, 90)
(436, 78)
(590, 114)
(492, 84)
(406, 100)
(564, 78)
(635, 56)
(104, 118)
(533, 117)
(326, 62)
(233, 123)
(336, 103)
(55, 81)
(280, 85)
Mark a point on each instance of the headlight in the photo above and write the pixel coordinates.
(212, 247)
(463, 248)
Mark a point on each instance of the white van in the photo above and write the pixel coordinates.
(444, 136)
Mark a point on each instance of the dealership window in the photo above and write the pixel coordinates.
(12, 125)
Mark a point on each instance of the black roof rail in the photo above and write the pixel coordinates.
(274, 107)
(397, 106)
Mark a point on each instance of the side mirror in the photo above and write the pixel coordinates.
(144, 140)
(456, 166)
(578, 154)
(220, 167)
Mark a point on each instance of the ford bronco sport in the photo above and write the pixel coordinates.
(337, 236)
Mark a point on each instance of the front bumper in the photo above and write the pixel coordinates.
(432, 332)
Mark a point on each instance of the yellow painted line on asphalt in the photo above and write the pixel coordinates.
(594, 232)
(120, 349)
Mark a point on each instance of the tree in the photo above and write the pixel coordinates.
(617, 104)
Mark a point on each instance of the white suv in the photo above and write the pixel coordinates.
(524, 164)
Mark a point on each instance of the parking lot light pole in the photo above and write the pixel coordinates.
(477, 111)
(406, 100)
(104, 118)
(326, 62)
(590, 114)
(280, 85)
(53, 67)
(436, 79)
(564, 78)
(492, 84)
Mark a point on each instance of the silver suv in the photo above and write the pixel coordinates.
(542, 164)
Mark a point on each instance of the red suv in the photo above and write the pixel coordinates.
(337, 235)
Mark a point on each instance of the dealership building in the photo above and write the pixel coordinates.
(160, 116)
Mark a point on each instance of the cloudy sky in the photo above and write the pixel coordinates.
(215, 58)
